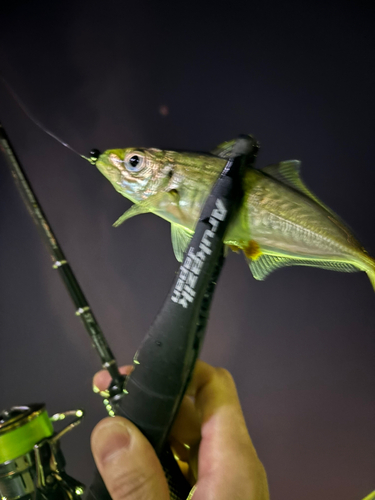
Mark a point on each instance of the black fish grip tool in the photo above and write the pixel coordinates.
(164, 362)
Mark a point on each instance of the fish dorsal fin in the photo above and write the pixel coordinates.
(224, 149)
(265, 264)
(288, 172)
(180, 240)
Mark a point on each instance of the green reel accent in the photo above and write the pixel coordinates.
(21, 429)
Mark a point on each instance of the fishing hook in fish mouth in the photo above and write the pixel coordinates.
(94, 155)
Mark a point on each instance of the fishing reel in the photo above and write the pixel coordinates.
(32, 465)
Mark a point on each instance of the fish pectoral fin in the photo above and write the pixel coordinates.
(154, 203)
(143, 207)
(180, 240)
(134, 210)
(265, 264)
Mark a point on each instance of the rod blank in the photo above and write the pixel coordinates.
(59, 260)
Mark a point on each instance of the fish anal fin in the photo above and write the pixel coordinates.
(266, 263)
(263, 266)
(180, 240)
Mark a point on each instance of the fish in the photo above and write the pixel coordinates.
(280, 221)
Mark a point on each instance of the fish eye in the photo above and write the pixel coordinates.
(134, 160)
(134, 163)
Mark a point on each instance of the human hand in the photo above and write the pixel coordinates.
(209, 436)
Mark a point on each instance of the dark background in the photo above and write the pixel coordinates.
(300, 345)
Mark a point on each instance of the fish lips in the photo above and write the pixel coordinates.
(108, 169)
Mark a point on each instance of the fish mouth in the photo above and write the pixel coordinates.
(107, 168)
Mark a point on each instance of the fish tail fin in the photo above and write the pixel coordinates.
(371, 276)
(368, 267)
(371, 273)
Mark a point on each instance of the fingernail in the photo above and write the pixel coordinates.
(95, 388)
(109, 439)
(104, 394)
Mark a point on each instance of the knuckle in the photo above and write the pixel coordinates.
(261, 482)
(257, 467)
(224, 375)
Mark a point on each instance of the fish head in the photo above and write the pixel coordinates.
(136, 173)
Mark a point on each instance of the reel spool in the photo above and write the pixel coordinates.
(32, 465)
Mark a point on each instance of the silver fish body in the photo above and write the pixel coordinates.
(280, 222)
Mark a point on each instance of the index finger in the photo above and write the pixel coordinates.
(102, 379)
(211, 388)
(228, 462)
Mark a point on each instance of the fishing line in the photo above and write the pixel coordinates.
(94, 153)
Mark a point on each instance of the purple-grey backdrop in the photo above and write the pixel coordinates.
(300, 77)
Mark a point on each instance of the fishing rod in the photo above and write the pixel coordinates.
(59, 261)
(155, 388)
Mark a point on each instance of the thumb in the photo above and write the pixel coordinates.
(127, 462)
